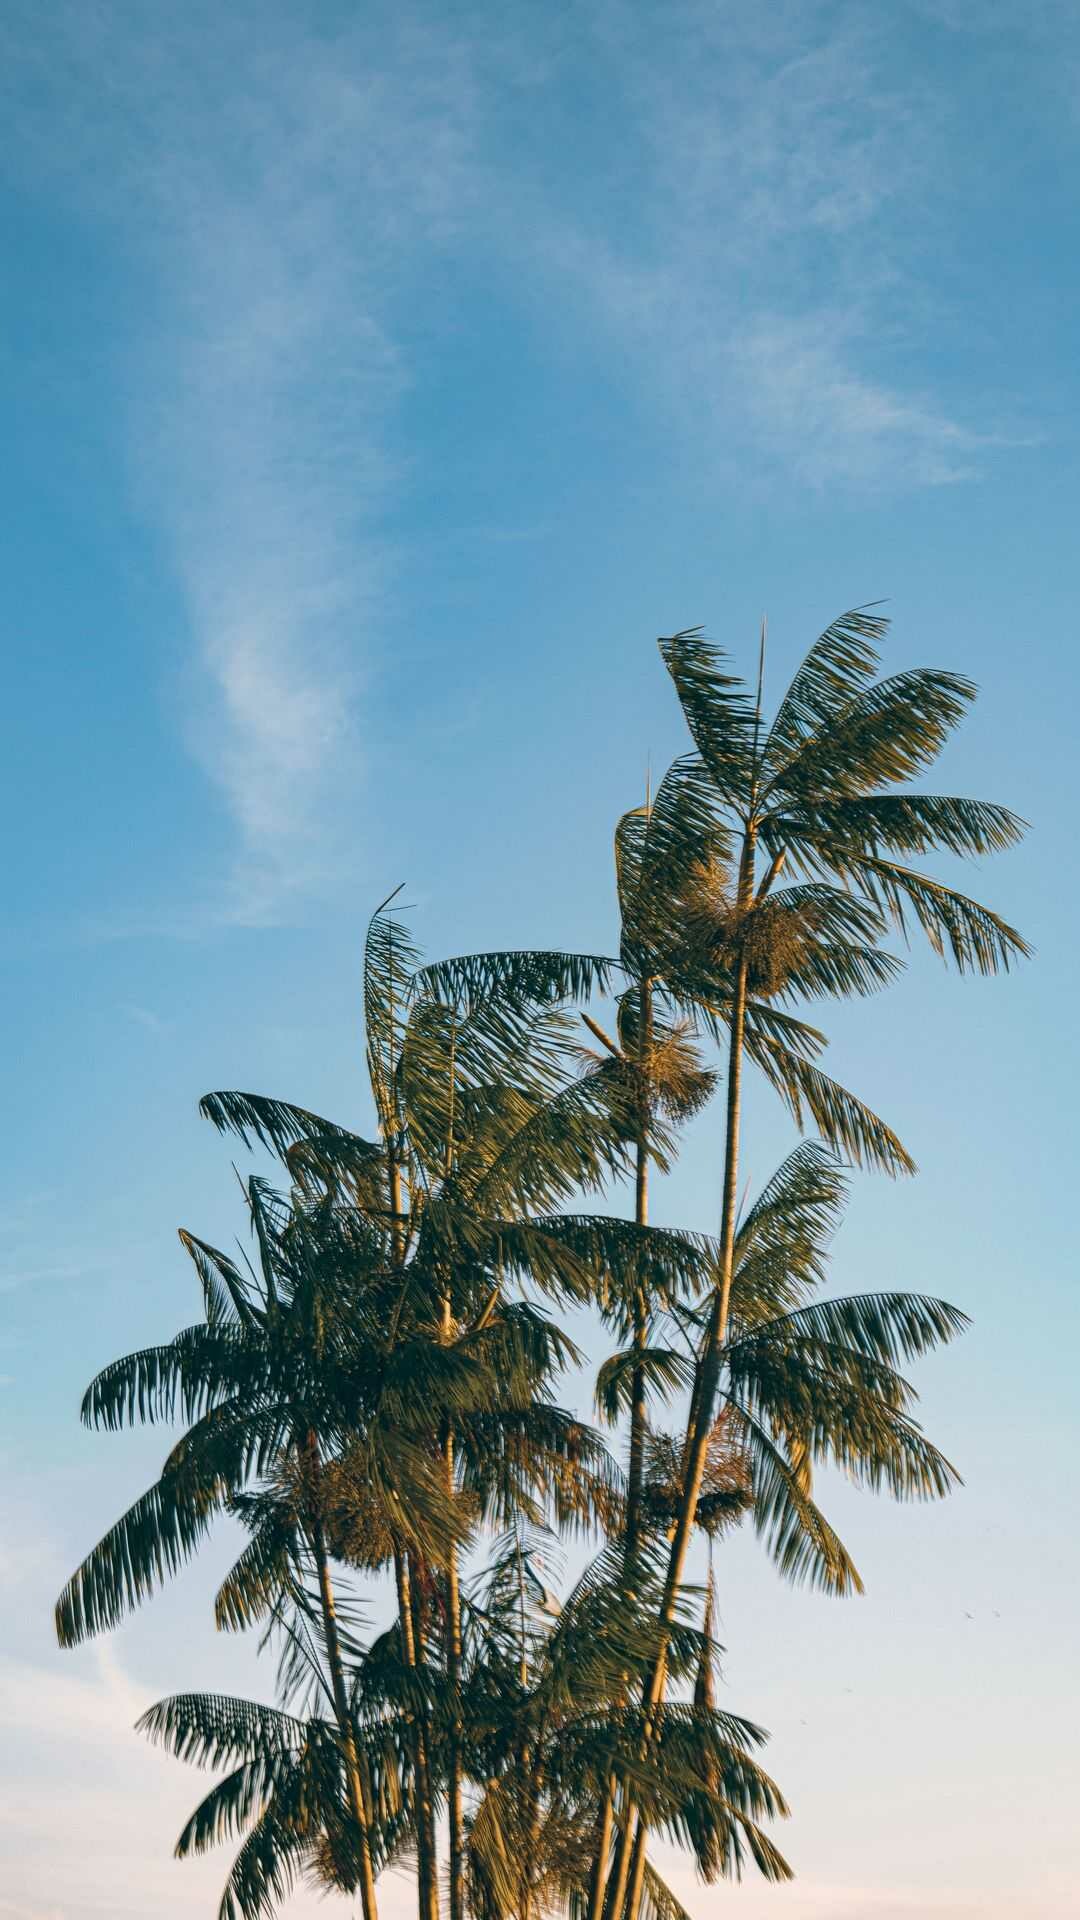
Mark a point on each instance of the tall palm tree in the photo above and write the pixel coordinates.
(281, 1373)
(384, 1331)
(651, 1070)
(803, 1382)
(286, 1789)
(810, 794)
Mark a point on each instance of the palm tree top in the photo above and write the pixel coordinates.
(814, 789)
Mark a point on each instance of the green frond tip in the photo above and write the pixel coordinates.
(515, 978)
(844, 1121)
(274, 1124)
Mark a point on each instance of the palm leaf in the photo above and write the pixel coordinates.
(838, 666)
(154, 1538)
(211, 1729)
(842, 1120)
(803, 1545)
(516, 978)
(721, 718)
(882, 736)
(274, 1124)
(390, 960)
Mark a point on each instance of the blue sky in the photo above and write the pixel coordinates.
(376, 385)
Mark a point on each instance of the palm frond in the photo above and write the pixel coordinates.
(882, 736)
(517, 978)
(663, 1370)
(840, 1117)
(886, 823)
(838, 666)
(258, 1576)
(276, 1125)
(267, 1867)
(976, 939)
(194, 1371)
(719, 713)
(212, 1729)
(803, 1545)
(153, 1539)
(226, 1291)
(885, 1327)
(657, 1900)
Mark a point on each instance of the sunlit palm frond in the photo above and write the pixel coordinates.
(718, 710)
(838, 666)
(844, 1121)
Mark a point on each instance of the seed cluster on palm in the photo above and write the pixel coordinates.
(373, 1395)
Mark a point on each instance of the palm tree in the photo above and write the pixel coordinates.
(803, 1383)
(545, 1701)
(382, 1333)
(810, 794)
(281, 1372)
(651, 1071)
(287, 1785)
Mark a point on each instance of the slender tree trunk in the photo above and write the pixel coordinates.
(420, 1639)
(598, 1904)
(615, 1896)
(532, 1835)
(603, 1847)
(357, 1796)
(453, 1668)
(637, 1873)
(704, 1398)
(397, 1219)
(426, 1860)
(457, 1830)
(717, 1332)
(638, 1417)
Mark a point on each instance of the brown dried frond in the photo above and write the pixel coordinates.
(719, 933)
(726, 1492)
(333, 1863)
(680, 1081)
(353, 1519)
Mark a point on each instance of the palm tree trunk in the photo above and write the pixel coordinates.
(357, 1797)
(704, 1398)
(397, 1218)
(427, 1860)
(717, 1332)
(426, 1857)
(604, 1826)
(420, 1640)
(641, 1219)
(453, 1667)
(615, 1896)
(636, 1473)
(637, 1874)
(533, 1824)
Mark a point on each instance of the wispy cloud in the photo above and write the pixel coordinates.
(276, 186)
(146, 1017)
(286, 207)
(773, 290)
(738, 203)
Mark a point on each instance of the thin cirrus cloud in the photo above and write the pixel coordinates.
(742, 226)
(284, 204)
(273, 188)
(785, 170)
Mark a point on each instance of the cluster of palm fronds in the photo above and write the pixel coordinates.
(372, 1396)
